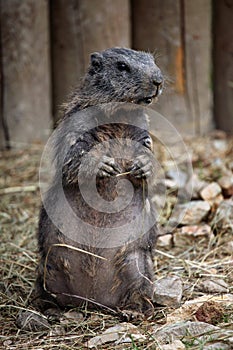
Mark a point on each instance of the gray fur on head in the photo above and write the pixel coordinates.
(117, 75)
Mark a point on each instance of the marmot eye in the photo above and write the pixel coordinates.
(122, 66)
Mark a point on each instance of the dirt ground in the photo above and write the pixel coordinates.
(196, 260)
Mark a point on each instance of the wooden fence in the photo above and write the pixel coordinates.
(45, 47)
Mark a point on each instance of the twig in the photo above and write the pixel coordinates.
(17, 189)
(126, 173)
(89, 300)
(17, 263)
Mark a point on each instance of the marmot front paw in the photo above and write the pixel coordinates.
(108, 167)
(142, 167)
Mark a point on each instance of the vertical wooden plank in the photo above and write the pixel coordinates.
(3, 129)
(198, 37)
(168, 28)
(25, 59)
(78, 29)
(223, 64)
(66, 50)
(157, 27)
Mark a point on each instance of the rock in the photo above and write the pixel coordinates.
(226, 183)
(190, 213)
(72, 317)
(217, 346)
(176, 345)
(121, 333)
(159, 201)
(214, 286)
(168, 291)
(220, 145)
(210, 312)
(212, 193)
(170, 332)
(57, 330)
(220, 340)
(223, 218)
(197, 185)
(190, 234)
(32, 321)
(177, 176)
(170, 184)
(165, 240)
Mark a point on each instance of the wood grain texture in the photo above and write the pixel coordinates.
(78, 29)
(25, 65)
(180, 33)
(223, 64)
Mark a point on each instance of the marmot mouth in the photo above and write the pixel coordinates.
(146, 100)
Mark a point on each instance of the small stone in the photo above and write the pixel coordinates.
(170, 184)
(214, 286)
(165, 241)
(223, 219)
(190, 213)
(216, 201)
(197, 185)
(158, 201)
(220, 145)
(210, 312)
(176, 345)
(212, 193)
(32, 321)
(121, 333)
(179, 330)
(226, 183)
(179, 177)
(168, 291)
(221, 336)
(72, 316)
(57, 330)
(190, 234)
(217, 346)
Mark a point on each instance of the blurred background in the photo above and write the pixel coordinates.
(45, 47)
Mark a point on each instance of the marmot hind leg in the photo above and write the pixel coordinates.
(40, 298)
(136, 278)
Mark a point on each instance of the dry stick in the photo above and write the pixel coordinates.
(89, 300)
(16, 263)
(24, 309)
(16, 189)
(126, 173)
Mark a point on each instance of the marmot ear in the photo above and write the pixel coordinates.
(96, 61)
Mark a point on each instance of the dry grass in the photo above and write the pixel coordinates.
(18, 257)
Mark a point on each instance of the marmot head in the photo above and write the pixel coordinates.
(124, 75)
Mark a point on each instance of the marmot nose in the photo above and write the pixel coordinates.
(158, 82)
(158, 79)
